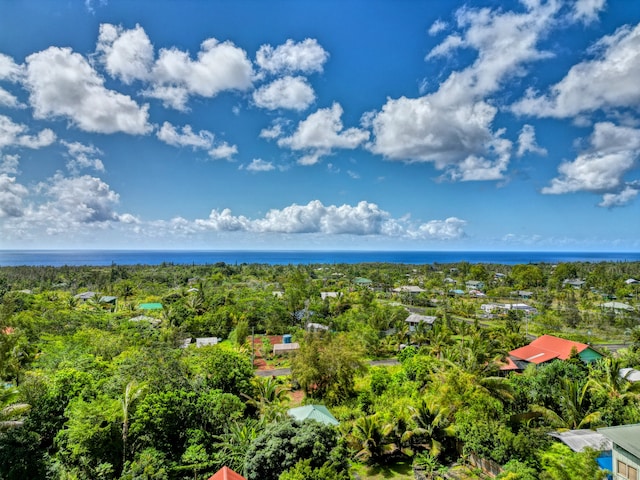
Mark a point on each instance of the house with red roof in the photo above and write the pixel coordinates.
(225, 473)
(547, 348)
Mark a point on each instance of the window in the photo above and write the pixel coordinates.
(626, 471)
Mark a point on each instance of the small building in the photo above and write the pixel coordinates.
(625, 450)
(632, 281)
(362, 282)
(573, 282)
(325, 295)
(206, 341)
(150, 306)
(579, 440)
(414, 319)
(630, 374)
(284, 348)
(617, 307)
(84, 296)
(410, 289)
(319, 413)
(547, 348)
(225, 473)
(474, 285)
(144, 318)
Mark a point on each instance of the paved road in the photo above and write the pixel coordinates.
(280, 372)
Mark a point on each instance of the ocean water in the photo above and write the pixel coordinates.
(157, 257)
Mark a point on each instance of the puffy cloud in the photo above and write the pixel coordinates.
(448, 229)
(9, 164)
(13, 135)
(315, 218)
(610, 80)
(613, 153)
(527, 142)
(259, 165)
(219, 66)
(320, 133)
(223, 151)
(11, 196)
(77, 200)
(126, 54)
(186, 138)
(587, 11)
(63, 84)
(628, 194)
(9, 70)
(83, 156)
(452, 127)
(293, 93)
(272, 132)
(224, 221)
(307, 56)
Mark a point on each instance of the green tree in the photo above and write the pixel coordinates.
(559, 462)
(282, 445)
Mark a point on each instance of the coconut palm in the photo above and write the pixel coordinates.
(574, 410)
(370, 437)
(11, 414)
(432, 426)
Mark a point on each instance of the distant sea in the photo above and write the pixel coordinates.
(58, 258)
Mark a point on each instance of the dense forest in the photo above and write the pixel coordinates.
(164, 372)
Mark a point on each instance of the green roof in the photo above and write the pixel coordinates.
(150, 306)
(319, 413)
(361, 280)
(624, 436)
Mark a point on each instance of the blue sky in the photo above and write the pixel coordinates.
(407, 125)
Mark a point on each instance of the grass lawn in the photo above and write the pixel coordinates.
(397, 471)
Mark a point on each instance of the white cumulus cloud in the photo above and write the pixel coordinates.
(259, 165)
(452, 127)
(322, 132)
(11, 197)
(83, 156)
(63, 84)
(292, 93)
(186, 137)
(15, 135)
(612, 154)
(126, 54)
(306, 57)
(609, 80)
(527, 142)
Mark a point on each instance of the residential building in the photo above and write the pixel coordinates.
(625, 450)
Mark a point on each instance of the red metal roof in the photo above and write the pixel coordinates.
(547, 347)
(225, 473)
(509, 365)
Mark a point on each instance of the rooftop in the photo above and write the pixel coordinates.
(625, 436)
(547, 347)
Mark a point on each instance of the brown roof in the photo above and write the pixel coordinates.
(225, 473)
(547, 347)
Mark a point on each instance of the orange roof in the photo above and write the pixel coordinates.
(547, 347)
(510, 365)
(225, 473)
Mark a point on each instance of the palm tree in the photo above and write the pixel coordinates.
(432, 426)
(234, 443)
(270, 398)
(370, 438)
(574, 408)
(132, 391)
(606, 379)
(11, 414)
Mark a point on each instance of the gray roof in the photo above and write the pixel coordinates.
(415, 318)
(630, 374)
(85, 295)
(578, 440)
(624, 436)
(205, 341)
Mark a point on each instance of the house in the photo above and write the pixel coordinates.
(630, 374)
(206, 341)
(522, 294)
(573, 282)
(579, 440)
(474, 285)
(414, 319)
(84, 296)
(632, 281)
(281, 348)
(617, 307)
(144, 318)
(410, 289)
(362, 282)
(319, 413)
(325, 295)
(625, 450)
(225, 473)
(150, 306)
(547, 348)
